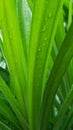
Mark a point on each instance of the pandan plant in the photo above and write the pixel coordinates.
(36, 83)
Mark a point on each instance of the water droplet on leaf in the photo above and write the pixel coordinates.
(39, 49)
(45, 38)
(44, 44)
(50, 15)
(43, 29)
(10, 36)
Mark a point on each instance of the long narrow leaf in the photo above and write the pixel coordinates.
(63, 110)
(60, 65)
(13, 51)
(43, 30)
(4, 126)
(13, 103)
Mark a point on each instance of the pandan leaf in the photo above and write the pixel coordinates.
(13, 51)
(4, 126)
(13, 103)
(63, 110)
(24, 16)
(30, 4)
(42, 35)
(60, 65)
(69, 120)
(4, 74)
(8, 114)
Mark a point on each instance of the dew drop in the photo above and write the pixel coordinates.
(43, 29)
(50, 15)
(37, 56)
(46, 2)
(10, 36)
(0, 20)
(44, 44)
(39, 49)
(45, 39)
(46, 18)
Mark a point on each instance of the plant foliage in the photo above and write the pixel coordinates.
(36, 65)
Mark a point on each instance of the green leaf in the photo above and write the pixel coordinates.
(4, 126)
(13, 50)
(30, 4)
(70, 14)
(5, 75)
(60, 65)
(24, 16)
(8, 114)
(13, 103)
(43, 31)
(63, 110)
(69, 120)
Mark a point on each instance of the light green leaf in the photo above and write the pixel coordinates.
(13, 50)
(24, 16)
(43, 31)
